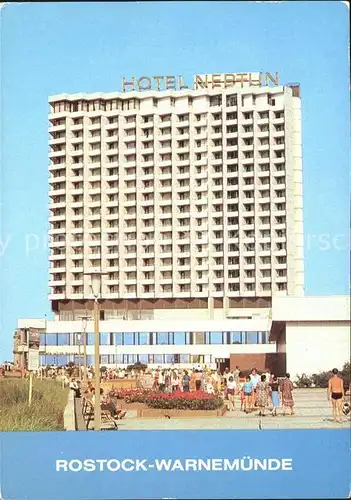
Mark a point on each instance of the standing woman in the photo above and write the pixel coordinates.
(262, 394)
(286, 388)
(275, 394)
(231, 388)
(175, 381)
(192, 384)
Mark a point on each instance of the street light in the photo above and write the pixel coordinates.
(95, 284)
(85, 320)
(79, 338)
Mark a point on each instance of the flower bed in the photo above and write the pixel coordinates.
(176, 400)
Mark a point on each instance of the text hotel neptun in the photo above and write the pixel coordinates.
(211, 82)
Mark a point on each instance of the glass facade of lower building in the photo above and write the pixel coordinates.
(159, 338)
(128, 359)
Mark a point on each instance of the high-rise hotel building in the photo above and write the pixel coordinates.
(190, 201)
(187, 199)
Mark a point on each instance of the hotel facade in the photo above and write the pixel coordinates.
(191, 202)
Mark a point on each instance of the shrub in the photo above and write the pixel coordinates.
(303, 381)
(321, 379)
(45, 413)
(346, 375)
(177, 400)
(138, 367)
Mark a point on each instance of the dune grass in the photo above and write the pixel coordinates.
(45, 412)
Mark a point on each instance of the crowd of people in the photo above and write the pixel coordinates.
(256, 391)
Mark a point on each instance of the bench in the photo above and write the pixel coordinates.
(88, 414)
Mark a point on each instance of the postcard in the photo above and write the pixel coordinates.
(175, 316)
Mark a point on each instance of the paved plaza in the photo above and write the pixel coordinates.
(313, 411)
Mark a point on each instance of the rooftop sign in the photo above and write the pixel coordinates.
(211, 82)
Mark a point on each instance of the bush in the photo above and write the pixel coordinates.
(184, 401)
(303, 381)
(45, 413)
(346, 375)
(321, 379)
(138, 367)
(177, 400)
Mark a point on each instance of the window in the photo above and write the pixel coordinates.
(143, 338)
(104, 338)
(143, 358)
(128, 338)
(104, 359)
(236, 338)
(51, 339)
(216, 338)
(158, 359)
(63, 339)
(90, 338)
(184, 358)
(180, 338)
(162, 338)
(252, 337)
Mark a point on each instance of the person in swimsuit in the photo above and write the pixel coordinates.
(336, 394)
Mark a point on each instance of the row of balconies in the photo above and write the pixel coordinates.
(177, 281)
(158, 189)
(209, 118)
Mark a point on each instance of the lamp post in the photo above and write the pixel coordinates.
(96, 277)
(84, 328)
(79, 338)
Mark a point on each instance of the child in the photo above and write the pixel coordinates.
(242, 395)
(248, 390)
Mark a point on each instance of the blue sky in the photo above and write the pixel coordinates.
(88, 47)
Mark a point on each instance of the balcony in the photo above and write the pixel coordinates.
(57, 154)
(57, 205)
(59, 140)
(281, 266)
(263, 121)
(93, 126)
(203, 161)
(57, 296)
(278, 121)
(56, 257)
(77, 217)
(55, 270)
(57, 128)
(60, 282)
(80, 191)
(262, 134)
(57, 218)
(61, 230)
(112, 138)
(91, 178)
(79, 126)
(149, 203)
(112, 126)
(112, 190)
(58, 244)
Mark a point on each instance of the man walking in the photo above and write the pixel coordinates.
(336, 394)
